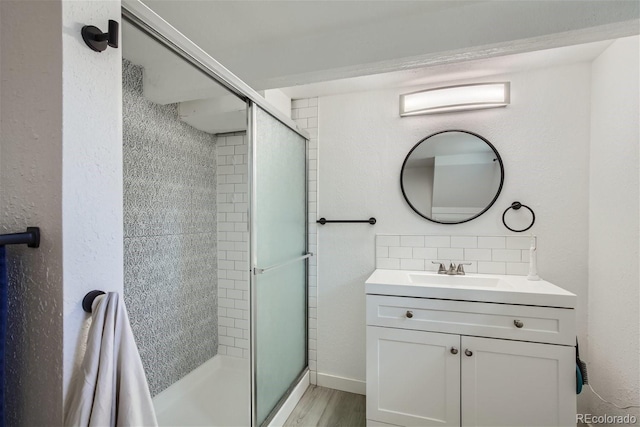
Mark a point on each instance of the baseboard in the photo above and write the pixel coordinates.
(285, 410)
(340, 383)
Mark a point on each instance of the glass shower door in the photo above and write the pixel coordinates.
(278, 261)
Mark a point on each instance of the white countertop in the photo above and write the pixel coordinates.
(496, 288)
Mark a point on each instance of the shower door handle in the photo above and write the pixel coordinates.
(257, 270)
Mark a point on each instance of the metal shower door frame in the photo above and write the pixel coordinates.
(146, 20)
(255, 270)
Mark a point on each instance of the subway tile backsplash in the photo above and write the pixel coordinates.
(487, 254)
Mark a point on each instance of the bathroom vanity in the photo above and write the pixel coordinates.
(473, 350)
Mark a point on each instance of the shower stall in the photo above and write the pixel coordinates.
(215, 221)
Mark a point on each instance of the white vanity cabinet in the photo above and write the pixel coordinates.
(437, 362)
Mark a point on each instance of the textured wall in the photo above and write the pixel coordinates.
(31, 194)
(92, 170)
(169, 235)
(614, 235)
(543, 138)
(62, 171)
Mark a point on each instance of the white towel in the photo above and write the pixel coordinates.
(111, 389)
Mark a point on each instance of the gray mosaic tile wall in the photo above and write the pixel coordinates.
(170, 264)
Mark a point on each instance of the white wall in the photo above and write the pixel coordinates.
(61, 170)
(92, 168)
(614, 306)
(543, 138)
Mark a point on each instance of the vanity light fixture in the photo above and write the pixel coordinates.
(455, 98)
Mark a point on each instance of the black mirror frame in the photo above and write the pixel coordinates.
(438, 133)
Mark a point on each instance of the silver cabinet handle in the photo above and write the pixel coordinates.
(454, 350)
(518, 323)
(409, 314)
(468, 352)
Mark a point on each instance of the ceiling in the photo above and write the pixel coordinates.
(452, 73)
(273, 44)
(243, 23)
(313, 48)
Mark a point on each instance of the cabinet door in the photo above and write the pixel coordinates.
(413, 378)
(512, 383)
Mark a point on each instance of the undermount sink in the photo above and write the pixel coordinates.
(446, 280)
(497, 288)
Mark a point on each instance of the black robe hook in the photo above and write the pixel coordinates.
(97, 40)
(88, 299)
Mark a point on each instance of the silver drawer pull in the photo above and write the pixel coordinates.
(468, 352)
(409, 314)
(454, 350)
(518, 323)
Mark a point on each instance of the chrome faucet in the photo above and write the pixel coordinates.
(460, 270)
(441, 267)
(453, 270)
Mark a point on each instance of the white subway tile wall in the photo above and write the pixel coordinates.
(233, 245)
(305, 114)
(487, 254)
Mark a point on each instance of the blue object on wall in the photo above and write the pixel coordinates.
(578, 380)
(3, 325)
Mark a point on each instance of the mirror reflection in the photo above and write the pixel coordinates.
(452, 176)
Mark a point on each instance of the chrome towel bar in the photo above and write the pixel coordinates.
(257, 270)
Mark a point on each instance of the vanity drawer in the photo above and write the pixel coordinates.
(513, 322)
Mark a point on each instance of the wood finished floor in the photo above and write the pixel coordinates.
(325, 407)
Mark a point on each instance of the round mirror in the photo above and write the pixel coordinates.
(452, 176)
